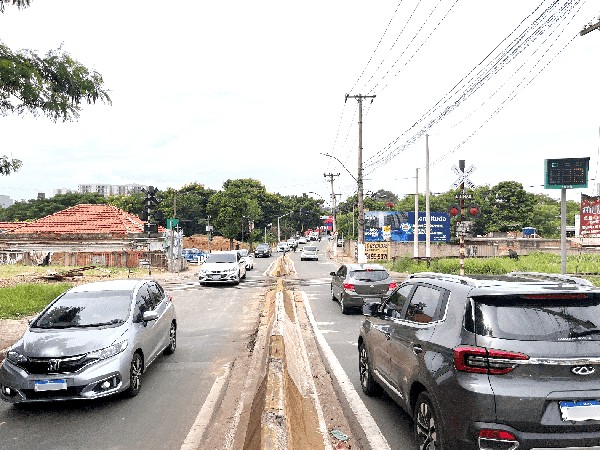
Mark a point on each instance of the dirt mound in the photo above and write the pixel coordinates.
(219, 243)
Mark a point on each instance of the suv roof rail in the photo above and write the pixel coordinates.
(445, 277)
(555, 277)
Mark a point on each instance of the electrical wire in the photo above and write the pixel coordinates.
(537, 29)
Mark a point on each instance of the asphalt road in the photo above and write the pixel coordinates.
(214, 325)
(341, 333)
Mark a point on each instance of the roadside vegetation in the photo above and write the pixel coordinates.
(27, 299)
(25, 292)
(585, 265)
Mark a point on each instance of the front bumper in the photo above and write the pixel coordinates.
(218, 277)
(101, 379)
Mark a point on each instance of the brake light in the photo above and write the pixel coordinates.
(392, 285)
(497, 439)
(555, 296)
(496, 434)
(348, 286)
(483, 360)
(170, 297)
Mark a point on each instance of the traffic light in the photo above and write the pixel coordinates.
(150, 211)
(474, 211)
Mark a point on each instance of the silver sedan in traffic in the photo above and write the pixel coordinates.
(95, 340)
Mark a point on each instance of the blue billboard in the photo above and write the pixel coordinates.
(398, 226)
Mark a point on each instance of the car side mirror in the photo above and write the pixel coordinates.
(149, 315)
(371, 309)
(333, 274)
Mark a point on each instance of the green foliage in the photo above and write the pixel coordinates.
(55, 85)
(28, 299)
(534, 262)
(38, 208)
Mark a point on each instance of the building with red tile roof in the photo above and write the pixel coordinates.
(83, 235)
(9, 226)
(85, 219)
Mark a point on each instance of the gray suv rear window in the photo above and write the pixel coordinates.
(369, 275)
(537, 319)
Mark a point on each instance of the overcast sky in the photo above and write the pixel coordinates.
(209, 91)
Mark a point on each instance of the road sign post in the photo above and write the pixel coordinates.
(462, 181)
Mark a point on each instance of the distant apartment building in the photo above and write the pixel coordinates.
(5, 201)
(63, 191)
(110, 189)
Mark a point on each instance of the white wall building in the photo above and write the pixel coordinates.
(5, 201)
(110, 189)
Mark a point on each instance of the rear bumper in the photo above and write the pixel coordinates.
(528, 441)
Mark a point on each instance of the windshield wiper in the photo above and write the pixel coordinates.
(101, 324)
(584, 333)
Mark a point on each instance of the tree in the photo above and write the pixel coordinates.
(191, 202)
(37, 208)
(233, 208)
(54, 85)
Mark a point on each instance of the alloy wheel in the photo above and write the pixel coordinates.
(426, 430)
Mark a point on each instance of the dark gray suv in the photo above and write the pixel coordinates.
(498, 362)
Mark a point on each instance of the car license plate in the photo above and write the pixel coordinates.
(580, 411)
(216, 277)
(49, 385)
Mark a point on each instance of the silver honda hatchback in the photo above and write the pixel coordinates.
(94, 340)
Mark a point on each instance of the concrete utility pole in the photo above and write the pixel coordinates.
(359, 180)
(590, 28)
(333, 209)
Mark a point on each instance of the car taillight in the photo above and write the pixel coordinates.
(483, 360)
(348, 286)
(392, 285)
(497, 439)
(170, 297)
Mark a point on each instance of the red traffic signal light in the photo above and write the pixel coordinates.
(454, 210)
(474, 211)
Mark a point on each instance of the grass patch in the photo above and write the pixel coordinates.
(536, 262)
(28, 299)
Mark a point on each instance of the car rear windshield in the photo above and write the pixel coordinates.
(221, 258)
(87, 309)
(369, 275)
(554, 317)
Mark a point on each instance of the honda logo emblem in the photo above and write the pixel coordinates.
(583, 370)
(53, 365)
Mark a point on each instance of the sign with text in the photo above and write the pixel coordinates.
(377, 251)
(566, 173)
(397, 226)
(589, 221)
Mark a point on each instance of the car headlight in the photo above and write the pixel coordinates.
(232, 270)
(107, 352)
(16, 357)
(202, 273)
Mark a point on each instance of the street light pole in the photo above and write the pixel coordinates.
(278, 228)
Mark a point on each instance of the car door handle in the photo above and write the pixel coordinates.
(417, 349)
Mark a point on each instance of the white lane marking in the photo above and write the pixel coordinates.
(329, 331)
(194, 437)
(362, 414)
(311, 381)
(324, 324)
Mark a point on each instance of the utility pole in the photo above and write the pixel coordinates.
(590, 28)
(359, 180)
(333, 210)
